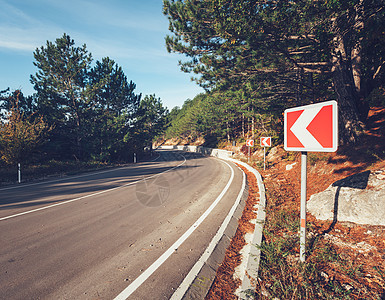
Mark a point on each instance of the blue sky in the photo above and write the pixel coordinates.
(131, 32)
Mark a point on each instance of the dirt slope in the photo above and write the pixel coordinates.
(344, 260)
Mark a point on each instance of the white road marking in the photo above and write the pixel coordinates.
(90, 195)
(183, 287)
(151, 269)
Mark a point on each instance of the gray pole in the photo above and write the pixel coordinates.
(264, 158)
(303, 206)
(19, 173)
(134, 158)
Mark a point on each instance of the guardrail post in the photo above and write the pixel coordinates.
(19, 173)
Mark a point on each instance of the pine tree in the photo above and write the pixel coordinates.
(150, 121)
(61, 85)
(114, 107)
(288, 51)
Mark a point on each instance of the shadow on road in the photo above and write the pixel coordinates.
(70, 188)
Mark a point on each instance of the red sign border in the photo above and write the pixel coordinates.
(264, 137)
(250, 142)
(334, 126)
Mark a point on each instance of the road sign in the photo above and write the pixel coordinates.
(312, 128)
(265, 141)
(250, 143)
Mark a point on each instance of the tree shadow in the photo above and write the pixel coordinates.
(67, 188)
(370, 148)
(356, 181)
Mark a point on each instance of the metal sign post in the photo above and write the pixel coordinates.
(307, 128)
(249, 143)
(265, 142)
(302, 235)
(264, 158)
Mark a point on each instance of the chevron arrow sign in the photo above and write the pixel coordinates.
(265, 141)
(312, 128)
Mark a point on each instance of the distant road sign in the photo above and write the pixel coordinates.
(312, 128)
(265, 141)
(250, 143)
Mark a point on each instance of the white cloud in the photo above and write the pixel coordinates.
(108, 29)
(130, 15)
(15, 45)
(26, 39)
(21, 31)
(10, 14)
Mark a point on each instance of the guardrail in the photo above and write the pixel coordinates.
(219, 153)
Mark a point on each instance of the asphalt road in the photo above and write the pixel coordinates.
(91, 236)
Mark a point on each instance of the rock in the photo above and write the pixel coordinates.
(324, 275)
(289, 167)
(275, 154)
(258, 154)
(359, 199)
(380, 175)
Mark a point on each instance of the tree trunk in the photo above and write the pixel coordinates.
(356, 49)
(350, 125)
(228, 131)
(253, 125)
(79, 134)
(248, 122)
(300, 77)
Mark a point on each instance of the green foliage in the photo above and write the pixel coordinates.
(282, 54)
(283, 277)
(222, 116)
(149, 122)
(94, 109)
(114, 105)
(61, 85)
(314, 157)
(16, 99)
(188, 121)
(87, 110)
(291, 155)
(20, 135)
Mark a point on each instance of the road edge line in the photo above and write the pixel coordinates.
(133, 286)
(195, 271)
(253, 257)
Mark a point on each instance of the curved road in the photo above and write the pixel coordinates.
(92, 236)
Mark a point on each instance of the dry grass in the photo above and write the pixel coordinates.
(344, 260)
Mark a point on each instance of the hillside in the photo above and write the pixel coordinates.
(344, 260)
